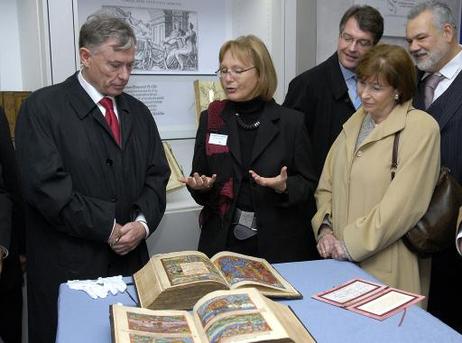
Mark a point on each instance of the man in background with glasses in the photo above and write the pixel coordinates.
(327, 93)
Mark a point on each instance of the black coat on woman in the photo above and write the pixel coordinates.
(283, 220)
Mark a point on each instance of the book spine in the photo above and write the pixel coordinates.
(111, 320)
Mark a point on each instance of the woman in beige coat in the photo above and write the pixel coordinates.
(363, 213)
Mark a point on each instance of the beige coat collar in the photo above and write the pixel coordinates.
(393, 123)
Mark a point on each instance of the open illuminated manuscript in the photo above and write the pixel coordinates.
(177, 280)
(242, 315)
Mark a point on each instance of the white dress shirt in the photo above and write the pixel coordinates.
(450, 72)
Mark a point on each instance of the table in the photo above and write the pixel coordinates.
(82, 319)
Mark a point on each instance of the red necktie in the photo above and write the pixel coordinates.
(111, 118)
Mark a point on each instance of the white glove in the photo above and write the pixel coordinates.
(113, 284)
(99, 288)
(88, 286)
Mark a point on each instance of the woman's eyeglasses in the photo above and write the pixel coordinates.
(235, 72)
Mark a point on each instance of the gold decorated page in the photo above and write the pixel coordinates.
(185, 268)
(136, 325)
(242, 270)
(205, 92)
(237, 316)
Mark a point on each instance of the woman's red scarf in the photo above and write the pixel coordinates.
(216, 124)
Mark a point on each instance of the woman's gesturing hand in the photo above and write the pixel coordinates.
(278, 183)
(199, 182)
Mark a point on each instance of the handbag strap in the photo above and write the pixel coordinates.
(394, 156)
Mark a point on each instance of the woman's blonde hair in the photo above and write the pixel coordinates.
(251, 47)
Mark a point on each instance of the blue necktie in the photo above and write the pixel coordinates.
(355, 99)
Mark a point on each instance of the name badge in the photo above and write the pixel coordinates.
(218, 139)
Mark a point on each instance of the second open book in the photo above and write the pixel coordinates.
(177, 280)
(369, 298)
(242, 315)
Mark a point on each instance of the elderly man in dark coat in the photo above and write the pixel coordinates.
(93, 172)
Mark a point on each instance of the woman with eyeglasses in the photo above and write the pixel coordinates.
(252, 168)
(364, 205)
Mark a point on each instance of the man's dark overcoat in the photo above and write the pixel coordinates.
(11, 236)
(322, 95)
(76, 181)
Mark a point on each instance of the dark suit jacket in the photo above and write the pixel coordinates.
(283, 221)
(11, 210)
(447, 111)
(444, 300)
(322, 95)
(11, 236)
(76, 180)
(5, 214)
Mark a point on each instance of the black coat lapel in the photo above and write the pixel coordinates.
(336, 79)
(80, 101)
(125, 119)
(448, 103)
(419, 96)
(233, 134)
(267, 131)
(83, 105)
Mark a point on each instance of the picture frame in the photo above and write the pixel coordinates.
(173, 37)
(163, 76)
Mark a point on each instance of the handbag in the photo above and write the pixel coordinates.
(434, 232)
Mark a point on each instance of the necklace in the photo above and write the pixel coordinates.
(245, 126)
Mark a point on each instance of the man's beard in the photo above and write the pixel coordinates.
(430, 61)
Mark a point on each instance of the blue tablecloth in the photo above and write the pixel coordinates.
(82, 319)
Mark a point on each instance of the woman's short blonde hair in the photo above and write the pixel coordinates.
(394, 65)
(250, 47)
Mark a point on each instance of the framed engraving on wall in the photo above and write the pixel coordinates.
(176, 41)
(173, 37)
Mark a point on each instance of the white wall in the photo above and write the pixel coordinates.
(33, 44)
(10, 57)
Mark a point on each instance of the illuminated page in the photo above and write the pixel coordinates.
(386, 304)
(350, 292)
(132, 325)
(237, 316)
(188, 267)
(241, 270)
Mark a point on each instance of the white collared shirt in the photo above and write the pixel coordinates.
(95, 95)
(3, 252)
(450, 72)
(458, 239)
